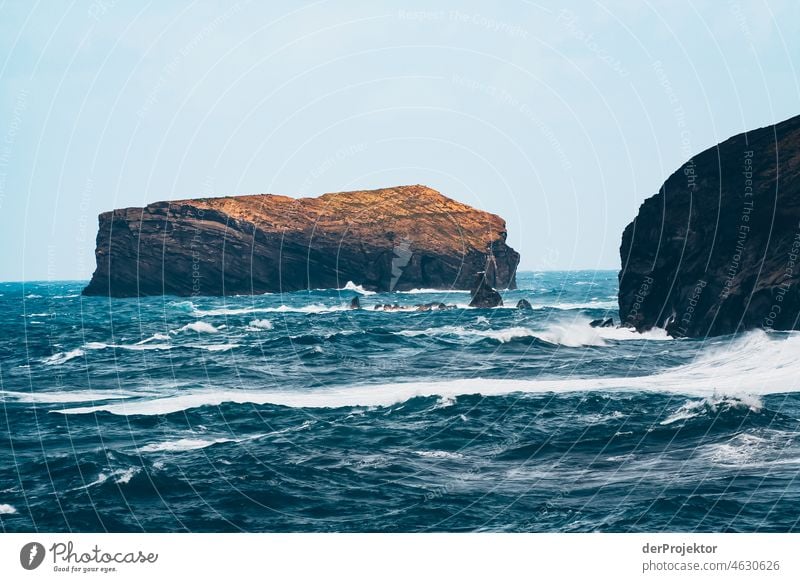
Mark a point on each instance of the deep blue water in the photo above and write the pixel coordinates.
(291, 413)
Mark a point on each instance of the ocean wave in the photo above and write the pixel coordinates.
(500, 335)
(357, 288)
(213, 347)
(141, 346)
(260, 325)
(422, 291)
(755, 365)
(579, 333)
(137, 347)
(567, 306)
(124, 476)
(439, 454)
(6, 509)
(313, 308)
(182, 444)
(771, 447)
(69, 396)
(353, 396)
(444, 402)
(713, 406)
(160, 337)
(199, 327)
(322, 308)
(119, 477)
(194, 443)
(573, 334)
(63, 357)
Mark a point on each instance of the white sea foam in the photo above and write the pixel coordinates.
(770, 447)
(579, 333)
(260, 324)
(357, 288)
(313, 308)
(137, 347)
(576, 333)
(63, 357)
(124, 476)
(626, 333)
(194, 443)
(432, 291)
(6, 509)
(120, 476)
(445, 402)
(564, 306)
(229, 311)
(439, 454)
(68, 396)
(755, 365)
(140, 346)
(160, 337)
(101, 478)
(501, 335)
(214, 347)
(713, 405)
(199, 327)
(183, 444)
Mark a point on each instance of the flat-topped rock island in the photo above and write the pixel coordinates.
(392, 239)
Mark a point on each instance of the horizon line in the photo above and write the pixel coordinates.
(22, 281)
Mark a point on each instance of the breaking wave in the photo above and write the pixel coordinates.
(577, 333)
(754, 365)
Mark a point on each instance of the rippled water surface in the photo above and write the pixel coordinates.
(289, 412)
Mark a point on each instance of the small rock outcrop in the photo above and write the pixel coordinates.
(393, 239)
(355, 303)
(524, 304)
(602, 322)
(717, 250)
(483, 295)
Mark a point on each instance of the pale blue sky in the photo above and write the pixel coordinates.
(560, 120)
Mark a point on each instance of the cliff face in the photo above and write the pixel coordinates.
(717, 250)
(391, 239)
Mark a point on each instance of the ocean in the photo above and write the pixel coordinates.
(292, 413)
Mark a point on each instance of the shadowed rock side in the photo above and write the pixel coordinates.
(716, 250)
(391, 239)
(483, 295)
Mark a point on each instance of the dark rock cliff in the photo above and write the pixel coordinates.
(391, 239)
(716, 250)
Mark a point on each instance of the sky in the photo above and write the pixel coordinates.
(560, 118)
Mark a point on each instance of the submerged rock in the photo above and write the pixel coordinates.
(394, 239)
(716, 251)
(524, 304)
(433, 306)
(355, 303)
(602, 322)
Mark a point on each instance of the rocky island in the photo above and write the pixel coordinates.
(716, 250)
(393, 239)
